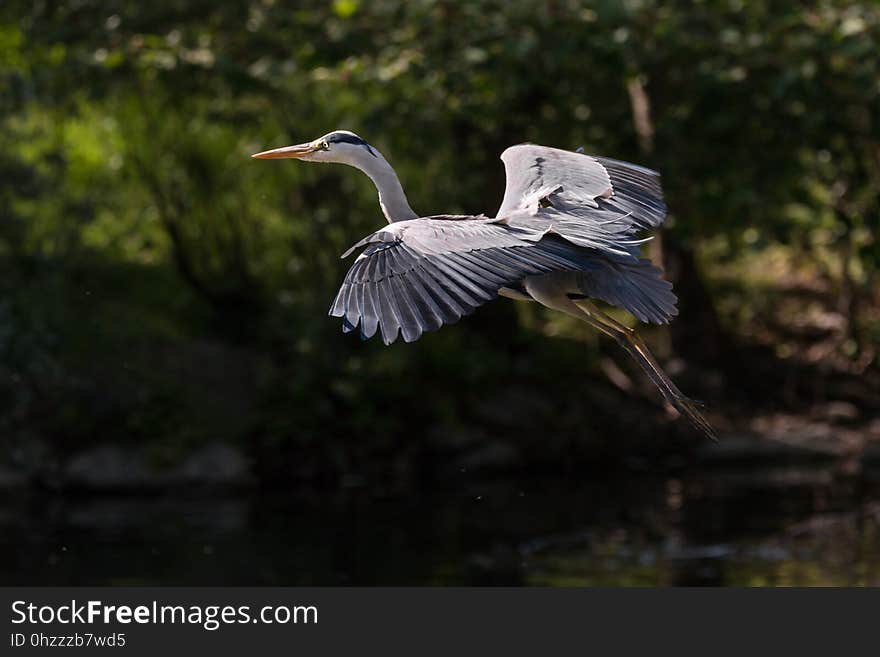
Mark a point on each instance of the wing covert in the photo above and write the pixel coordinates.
(533, 172)
(593, 202)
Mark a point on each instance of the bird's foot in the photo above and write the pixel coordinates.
(690, 409)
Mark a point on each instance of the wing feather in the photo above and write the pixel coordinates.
(389, 324)
(594, 202)
(338, 307)
(372, 311)
(467, 280)
(430, 313)
(562, 211)
(352, 312)
(449, 309)
(456, 287)
(414, 276)
(472, 263)
(411, 326)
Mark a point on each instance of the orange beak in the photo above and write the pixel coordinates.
(300, 150)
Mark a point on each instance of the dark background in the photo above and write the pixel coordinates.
(176, 407)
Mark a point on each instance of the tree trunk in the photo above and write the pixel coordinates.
(698, 335)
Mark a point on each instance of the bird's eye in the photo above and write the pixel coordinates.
(325, 146)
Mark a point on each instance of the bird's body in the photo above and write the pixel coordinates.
(566, 232)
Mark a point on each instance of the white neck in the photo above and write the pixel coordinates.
(395, 207)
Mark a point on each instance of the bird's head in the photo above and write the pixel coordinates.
(340, 146)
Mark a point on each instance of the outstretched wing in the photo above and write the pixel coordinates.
(417, 275)
(590, 201)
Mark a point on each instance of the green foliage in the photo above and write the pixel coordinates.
(127, 128)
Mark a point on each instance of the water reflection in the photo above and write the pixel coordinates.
(721, 525)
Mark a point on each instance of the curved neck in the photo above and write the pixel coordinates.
(395, 207)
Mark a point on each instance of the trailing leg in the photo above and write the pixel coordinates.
(635, 347)
(554, 291)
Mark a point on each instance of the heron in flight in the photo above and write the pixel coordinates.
(565, 234)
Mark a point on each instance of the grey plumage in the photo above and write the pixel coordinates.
(567, 232)
(437, 270)
(562, 212)
(637, 287)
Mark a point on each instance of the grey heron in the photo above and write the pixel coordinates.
(565, 234)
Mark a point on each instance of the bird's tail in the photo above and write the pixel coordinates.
(637, 286)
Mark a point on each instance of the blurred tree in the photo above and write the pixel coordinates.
(128, 127)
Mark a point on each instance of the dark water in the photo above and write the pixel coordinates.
(720, 526)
